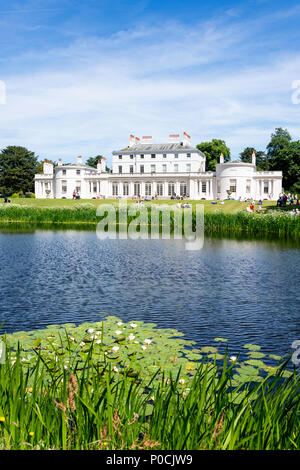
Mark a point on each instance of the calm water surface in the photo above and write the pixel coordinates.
(246, 291)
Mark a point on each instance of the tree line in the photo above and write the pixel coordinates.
(18, 165)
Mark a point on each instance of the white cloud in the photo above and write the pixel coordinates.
(86, 99)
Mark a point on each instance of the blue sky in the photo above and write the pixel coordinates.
(81, 76)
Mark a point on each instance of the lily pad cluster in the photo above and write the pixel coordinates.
(136, 349)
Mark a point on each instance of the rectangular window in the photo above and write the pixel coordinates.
(120, 168)
(266, 187)
(94, 187)
(218, 186)
(142, 170)
(147, 189)
(115, 189)
(152, 168)
(137, 190)
(131, 169)
(188, 167)
(248, 186)
(232, 186)
(152, 155)
(131, 157)
(120, 157)
(176, 155)
(78, 186)
(63, 186)
(142, 156)
(164, 155)
(183, 188)
(160, 189)
(125, 189)
(164, 168)
(64, 172)
(188, 155)
(171, 189)
(204, 187)
(77, 172)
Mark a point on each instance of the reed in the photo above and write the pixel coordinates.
(282, 224)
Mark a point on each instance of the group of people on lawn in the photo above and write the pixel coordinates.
(287, 198)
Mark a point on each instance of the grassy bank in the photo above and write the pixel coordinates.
(232, 216)
(132, 386)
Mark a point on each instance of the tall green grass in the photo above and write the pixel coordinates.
(92, 409)
(278, 223)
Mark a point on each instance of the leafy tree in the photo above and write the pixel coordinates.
(280, 139)
(92, 161)
(212, 151)
(288, 161)
(261, 158)
(17, 169)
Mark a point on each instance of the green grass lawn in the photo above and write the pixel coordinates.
(227, 207)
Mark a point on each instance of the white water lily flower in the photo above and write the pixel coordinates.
(71, 338)
(98, 341)
(147, 341)
(82, 344)
(233, 358)
(181, 381)
(120, 323)
(131, 337)
(98, 333)
(115, 369)
(94, 337)
(144, 347)
(118, 332)
(152, 398)
(115, 348)
(136, 342)
(133, 325)
(90, 331)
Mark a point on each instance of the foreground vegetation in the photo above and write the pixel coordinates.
(132, 386)
(232, 216)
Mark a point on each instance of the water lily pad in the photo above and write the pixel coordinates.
(209, 349)
(252, 347)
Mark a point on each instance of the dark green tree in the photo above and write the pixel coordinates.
(92, 161)
(262, 163)
(17, 169)
(280, 139)
(288, 161)
(212, 151)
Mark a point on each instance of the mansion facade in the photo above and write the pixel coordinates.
(144, 169)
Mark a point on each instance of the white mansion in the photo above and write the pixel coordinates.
(163, 170)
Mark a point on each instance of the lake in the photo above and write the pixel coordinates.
(245, 291)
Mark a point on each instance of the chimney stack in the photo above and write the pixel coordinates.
(221, 158)
(174, 139)
(147, 139)
(60, 161)
(137, 141)
(79, 160)
(253, 158)
(47, 168)
(99, 165)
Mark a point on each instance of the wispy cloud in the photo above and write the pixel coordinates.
(86, 98)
